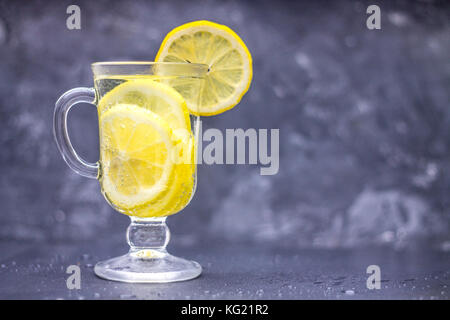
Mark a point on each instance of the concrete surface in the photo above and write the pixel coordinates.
(38, 271)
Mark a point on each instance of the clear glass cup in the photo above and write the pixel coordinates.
(148, 234)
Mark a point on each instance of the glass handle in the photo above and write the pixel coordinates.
(62, 107)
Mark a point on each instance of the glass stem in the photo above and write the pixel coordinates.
(148, 234)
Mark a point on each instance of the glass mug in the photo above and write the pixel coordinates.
(147, 167)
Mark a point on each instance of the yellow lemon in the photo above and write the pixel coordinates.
(229, 61)
(135, 155)
(152, 95)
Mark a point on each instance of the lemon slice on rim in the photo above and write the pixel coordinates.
(219, 47)
(135, 148)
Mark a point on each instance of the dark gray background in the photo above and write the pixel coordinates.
(364, 122)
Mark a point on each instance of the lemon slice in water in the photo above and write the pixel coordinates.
(157, 97)
(135, 148)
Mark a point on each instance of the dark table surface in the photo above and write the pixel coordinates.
(38, 271)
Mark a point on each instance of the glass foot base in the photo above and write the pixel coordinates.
(147, 266)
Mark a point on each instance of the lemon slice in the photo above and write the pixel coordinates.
(135, 147)
(179, 192)
(186, 191)
(157, 97)
(185, 179)
(229, 61)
